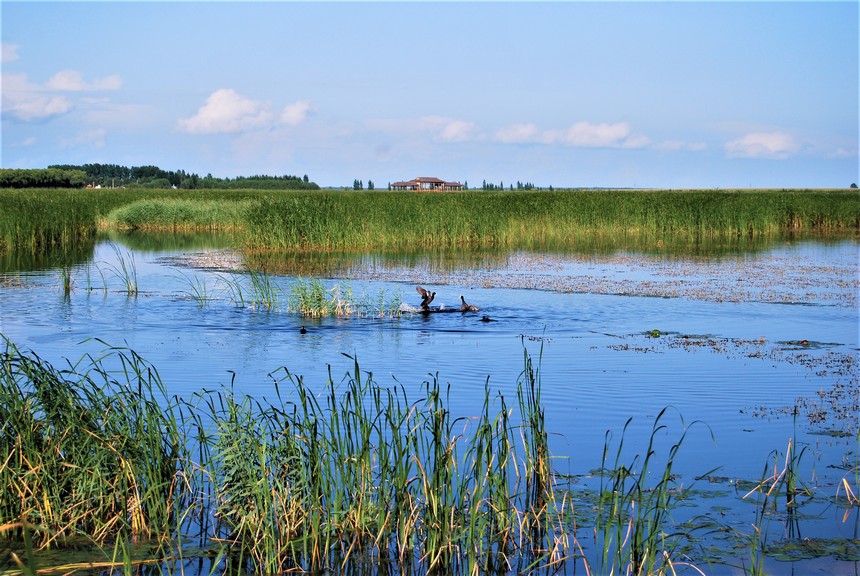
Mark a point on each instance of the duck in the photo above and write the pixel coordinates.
(303, 330)
(426, 297)
(466, 307)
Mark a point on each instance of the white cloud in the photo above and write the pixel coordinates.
(26, 101)
(440, 128)
(587, 135)
(9, 52)
(295, 113)
(518, 134)
(72, 81)
(777, 145)
(456, 131)
(579, 135)
(225, 111)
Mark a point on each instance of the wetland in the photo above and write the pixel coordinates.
(629, 396)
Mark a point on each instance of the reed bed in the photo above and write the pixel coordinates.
(176, 214)
(334, 478)
(33, 220)
(96, 451)
(534, 220)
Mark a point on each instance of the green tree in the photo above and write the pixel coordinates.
(370, 184)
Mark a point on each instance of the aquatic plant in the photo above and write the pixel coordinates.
(33, 221)
(87, 453)
(198, 290)
(233, 284)
(263, 292)
(536, 219)
(328, 477)
(634, 528)
(126, 270)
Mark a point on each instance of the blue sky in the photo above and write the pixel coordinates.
(627, 94)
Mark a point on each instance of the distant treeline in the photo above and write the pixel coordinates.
(116, 176)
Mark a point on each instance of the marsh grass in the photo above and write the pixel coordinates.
(33, 221)
(316, 480)
(86, 453)
(781, 478)
(178, 214)
(328, 477)
(198, 289)
(537, 220)
(634, 528)
(125, 270)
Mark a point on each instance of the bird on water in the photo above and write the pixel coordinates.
(466, 307)
(426, 297)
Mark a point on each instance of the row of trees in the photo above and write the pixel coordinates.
(519, 186)
(116, 176)
(42, 178)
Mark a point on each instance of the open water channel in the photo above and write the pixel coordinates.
(760, 347)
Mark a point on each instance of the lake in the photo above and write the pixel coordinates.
(759, 348)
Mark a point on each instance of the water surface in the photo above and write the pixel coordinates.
(734, 341)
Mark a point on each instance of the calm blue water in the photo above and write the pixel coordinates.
(597, 368)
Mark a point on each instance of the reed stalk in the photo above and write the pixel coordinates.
(126, 270)
(634, 527)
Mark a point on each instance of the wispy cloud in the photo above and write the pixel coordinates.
(777, 145)
(8, 52)
(94, 137)
(578, 135)
(673, 145)
(26, 101)
(438, 128)
(73, 81)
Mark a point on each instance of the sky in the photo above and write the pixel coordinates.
(565, 94)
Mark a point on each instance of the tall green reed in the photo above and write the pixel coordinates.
(634, 529)
(125, 269)
(87, 453)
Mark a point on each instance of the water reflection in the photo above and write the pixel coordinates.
(345, 263)
(438, 261)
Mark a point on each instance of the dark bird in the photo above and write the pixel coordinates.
(303, 330)
(486, 319)
(426, 297)
(466, 307)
